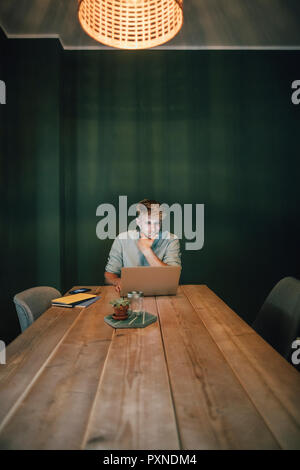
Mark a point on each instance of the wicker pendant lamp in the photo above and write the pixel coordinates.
(131, 24)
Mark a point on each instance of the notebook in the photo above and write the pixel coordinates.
(71, 300)
(88, 302)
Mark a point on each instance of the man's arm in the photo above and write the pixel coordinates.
(145, 246)
(152, 258)
(114, 279)
(173, 255)
(114, 265)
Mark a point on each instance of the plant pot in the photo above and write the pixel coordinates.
(120, 313)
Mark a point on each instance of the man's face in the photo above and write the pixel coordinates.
(149, 225)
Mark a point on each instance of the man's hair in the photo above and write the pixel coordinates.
(147, 203)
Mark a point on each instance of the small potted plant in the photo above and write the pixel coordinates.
(121, 306)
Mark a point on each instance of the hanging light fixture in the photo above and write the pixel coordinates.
(131, 24)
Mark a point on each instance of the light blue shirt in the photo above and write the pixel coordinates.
(125, 252)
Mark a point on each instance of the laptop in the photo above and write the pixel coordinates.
(151, 280)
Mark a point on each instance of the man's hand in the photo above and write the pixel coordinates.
(144, 243)
(118, 286)
(112, 278)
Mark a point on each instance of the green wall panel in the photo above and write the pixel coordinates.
(211, 127)
(31, 250)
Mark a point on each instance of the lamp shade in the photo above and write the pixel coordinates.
(131, 24)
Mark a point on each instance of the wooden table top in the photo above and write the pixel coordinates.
(198, 378)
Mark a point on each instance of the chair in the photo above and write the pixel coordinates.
(31, 303)
(278, 320)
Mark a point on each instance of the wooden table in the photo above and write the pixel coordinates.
(198, 378)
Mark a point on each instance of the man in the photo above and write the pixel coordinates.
(147, 246)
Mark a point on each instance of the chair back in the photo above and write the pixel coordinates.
(31, 303)
(278, 320)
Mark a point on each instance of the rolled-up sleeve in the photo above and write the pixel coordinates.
(172, 255)
(115, 258)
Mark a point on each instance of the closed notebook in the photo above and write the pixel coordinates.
(70, 300)
(86, 303)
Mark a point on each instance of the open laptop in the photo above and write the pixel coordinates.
(151, 280)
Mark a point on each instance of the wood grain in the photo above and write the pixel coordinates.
(213, 411)
(199, 378)
(54, 414)
(28, 354)
(271, 382)
(133, 407)
(221, 317)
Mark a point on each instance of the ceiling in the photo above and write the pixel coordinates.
(208, 24)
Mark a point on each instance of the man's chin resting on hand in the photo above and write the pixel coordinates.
(144, 247)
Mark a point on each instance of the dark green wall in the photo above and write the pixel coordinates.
(213, 127)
